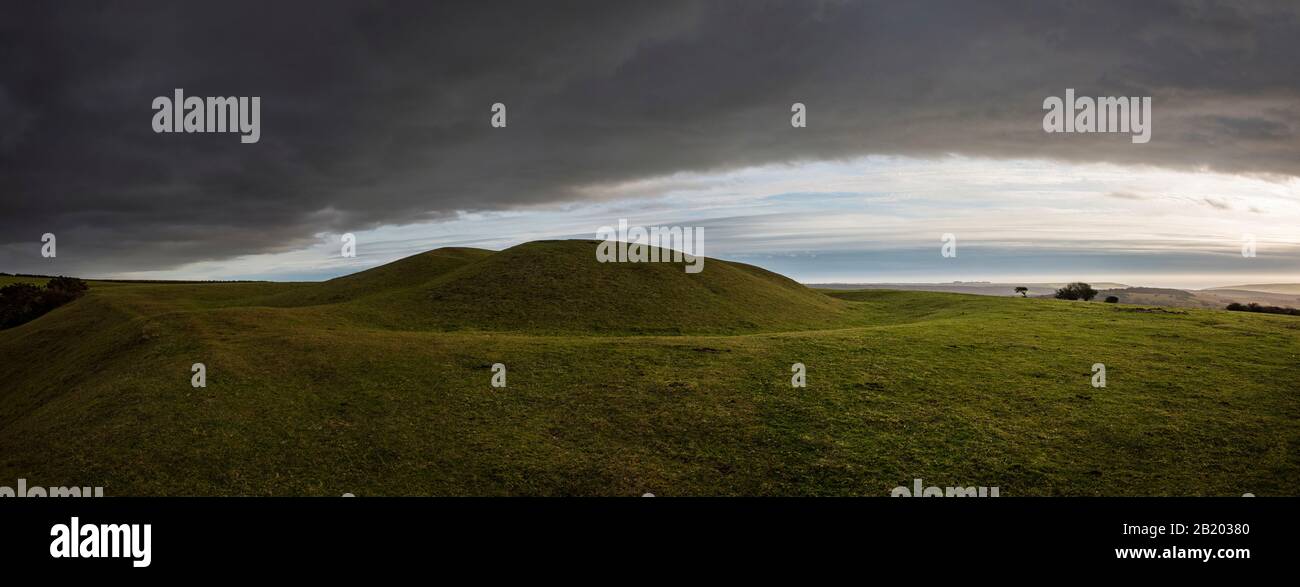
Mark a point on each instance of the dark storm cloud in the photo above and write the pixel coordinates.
(378, 113)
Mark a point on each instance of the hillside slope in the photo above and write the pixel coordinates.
(401, 274)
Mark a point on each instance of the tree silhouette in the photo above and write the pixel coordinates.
(1076, 291)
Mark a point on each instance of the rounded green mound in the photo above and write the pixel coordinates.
(560, 286)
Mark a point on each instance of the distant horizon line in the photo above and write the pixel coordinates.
(809, 283)
(1045, 284)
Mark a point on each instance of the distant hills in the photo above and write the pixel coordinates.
(983, 288)
(1217, 298)
(1276, 294)
(1277, 288)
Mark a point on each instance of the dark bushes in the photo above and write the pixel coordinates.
(21, 303)
(1076, 291)
(1253, 307)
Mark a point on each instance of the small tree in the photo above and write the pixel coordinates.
(1023, 291)
(1076, 291)
(1112, 300)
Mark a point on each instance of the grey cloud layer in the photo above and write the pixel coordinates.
(375, 114)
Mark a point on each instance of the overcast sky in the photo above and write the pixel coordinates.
(923, 118)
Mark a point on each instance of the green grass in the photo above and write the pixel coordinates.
(625, 379)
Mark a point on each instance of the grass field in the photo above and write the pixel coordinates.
(625, 379)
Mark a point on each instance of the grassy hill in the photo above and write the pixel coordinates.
(558, 286)
(624, 379)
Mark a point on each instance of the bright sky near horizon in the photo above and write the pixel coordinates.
(880, 219)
